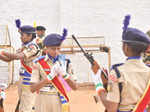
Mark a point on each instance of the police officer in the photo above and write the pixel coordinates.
(47, 67)
(126, 82)
(40, 31)
(48, 99)
(26, 55)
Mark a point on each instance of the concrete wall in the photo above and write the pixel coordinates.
(104, 17)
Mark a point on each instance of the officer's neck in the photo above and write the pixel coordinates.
(40, 36)
(51, 56)
(133, 56)
(25, 43)
(54, 59)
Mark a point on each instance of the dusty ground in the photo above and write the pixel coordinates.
(80, 101)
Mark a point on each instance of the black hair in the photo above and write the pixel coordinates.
(40, 28)
(137, 49)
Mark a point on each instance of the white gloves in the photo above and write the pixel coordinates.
(58, 69)
(97, 81)
(54, 71)
(62, 71)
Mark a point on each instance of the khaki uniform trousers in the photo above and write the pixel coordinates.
(26, 97)
(47, 103)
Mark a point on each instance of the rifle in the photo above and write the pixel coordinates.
(95, 66)
(86, 54)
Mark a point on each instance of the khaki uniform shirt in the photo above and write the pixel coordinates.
(39, 42)
(31, 51)
(47, 99)
(27, 99)
(39, 74)
(134, 78)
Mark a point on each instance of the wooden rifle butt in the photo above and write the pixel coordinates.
(104, 80)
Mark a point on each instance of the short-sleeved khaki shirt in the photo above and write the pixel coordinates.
(31, 52)
(39, 42)
(39, 74)
(134, 78)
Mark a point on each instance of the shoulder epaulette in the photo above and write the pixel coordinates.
(116, 65)
(38, 58)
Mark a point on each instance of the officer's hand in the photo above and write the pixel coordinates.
(97, 81)
(54, 71)
(95, 67)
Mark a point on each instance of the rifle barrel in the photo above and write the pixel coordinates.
(105, 74)
(78, 44)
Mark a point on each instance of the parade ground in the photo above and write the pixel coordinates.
(80, 101)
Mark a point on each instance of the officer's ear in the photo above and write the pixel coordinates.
(125, 48)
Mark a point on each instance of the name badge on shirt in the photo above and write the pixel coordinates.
(45, 89)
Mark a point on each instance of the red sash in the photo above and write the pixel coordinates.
(29, 69)
(144, 100)
(55, 81)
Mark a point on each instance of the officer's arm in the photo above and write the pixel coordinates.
(4, 58)
(14, 56)
(72, 83)
(36, 77)
(30, 51)
(39, 85)
(109, 105)
(36, 84)
(111, 98)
